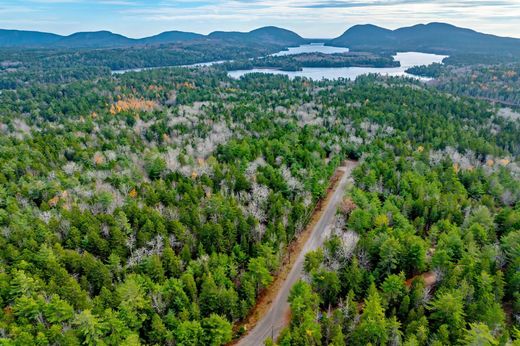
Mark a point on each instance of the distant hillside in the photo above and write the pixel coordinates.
(106, 39)
(97, 39)
(433, 37)
(268, 34)
(170, 36)
(271, 34)
(19, 38)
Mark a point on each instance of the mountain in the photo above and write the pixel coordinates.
(96, 39)
(268, 35)
(107, 39)
(20, 38)
(363, 35)
(432, 38)
(277, 35)
(170, 37)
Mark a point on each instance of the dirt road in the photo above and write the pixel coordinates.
(276, 317)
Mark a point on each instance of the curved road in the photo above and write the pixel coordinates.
(276, 317)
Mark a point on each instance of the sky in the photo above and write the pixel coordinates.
(309, 18)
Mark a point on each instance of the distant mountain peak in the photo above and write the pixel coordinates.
(271, 29)
(432, 37)
(94, 39)
(21, 38)
(268, 34)
(171, 37)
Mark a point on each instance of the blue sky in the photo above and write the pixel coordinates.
(310, 18)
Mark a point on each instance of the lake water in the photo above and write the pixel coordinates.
(407, 60)
(312, 48)
(307, 48)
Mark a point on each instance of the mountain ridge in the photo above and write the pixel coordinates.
(108, 39)
(20, 38)
(433, 37)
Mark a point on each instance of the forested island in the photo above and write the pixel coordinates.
(297, 62)
(430, 71)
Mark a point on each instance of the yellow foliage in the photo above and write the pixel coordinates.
(54, 201)
(381, 220)
(456, 167)
(194, 175)
(133, 193)
(187, 85)
(504, 162)
(420, 149)
(132, 104)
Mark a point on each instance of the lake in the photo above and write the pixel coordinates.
(312, 48)
(407, 60)
(306, 48)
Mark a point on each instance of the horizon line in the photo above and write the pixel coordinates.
(261, 27)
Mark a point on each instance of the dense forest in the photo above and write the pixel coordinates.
(153, 207)
(425, 252)
(22, 67)
(495, 82)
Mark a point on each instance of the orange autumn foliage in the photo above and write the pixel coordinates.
(134, 104)
(187, 85)
(99, 159)
(155, 88)
(54, 201)
(347, 206)
(510, 74)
